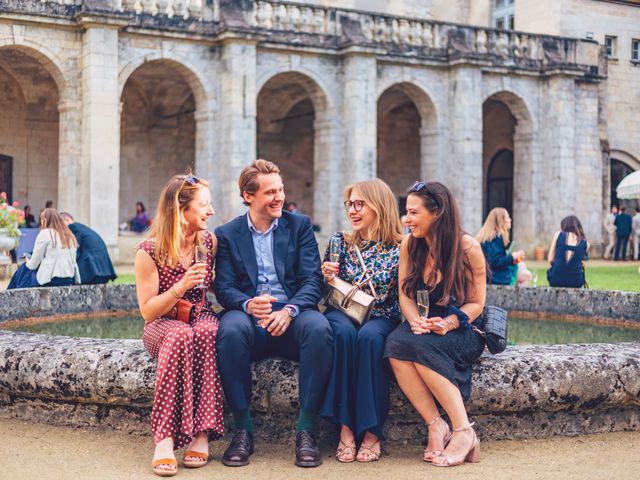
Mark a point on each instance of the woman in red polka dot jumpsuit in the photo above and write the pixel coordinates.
(187, 404)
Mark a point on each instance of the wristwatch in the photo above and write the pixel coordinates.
(291, 311)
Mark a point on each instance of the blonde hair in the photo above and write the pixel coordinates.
(168, 227)
(494, 225)
(378, 197)
(50, 218)
(248, 180)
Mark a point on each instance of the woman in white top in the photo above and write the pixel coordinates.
(53, 262)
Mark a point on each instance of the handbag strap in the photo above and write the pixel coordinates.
(368, 275)
(364, 278)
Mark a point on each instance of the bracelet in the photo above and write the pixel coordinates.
(173, 292)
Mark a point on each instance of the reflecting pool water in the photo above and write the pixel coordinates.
(522, 331)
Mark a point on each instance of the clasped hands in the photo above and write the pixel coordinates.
(276, 323)
(437, 325)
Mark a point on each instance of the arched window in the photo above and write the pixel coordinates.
(500, 182)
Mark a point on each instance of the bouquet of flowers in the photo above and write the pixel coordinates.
(10, 216)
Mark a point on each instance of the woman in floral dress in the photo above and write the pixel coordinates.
(357, 396)
(187, 404)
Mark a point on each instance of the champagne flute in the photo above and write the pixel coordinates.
(422, 299)
(264, 289)
(534, 278)
(335, 247)
(201, 257)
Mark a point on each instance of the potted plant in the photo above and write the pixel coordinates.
(10, 219)
(539, 253)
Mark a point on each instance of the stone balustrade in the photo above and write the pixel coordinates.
(301, 25)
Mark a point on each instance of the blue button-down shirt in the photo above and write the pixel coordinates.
(263, 247)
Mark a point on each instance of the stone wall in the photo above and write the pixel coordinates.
(529, 391)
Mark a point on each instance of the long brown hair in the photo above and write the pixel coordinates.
(50, 218)
(168, 227)
(494, 225)
(378, 197)
(449, 258)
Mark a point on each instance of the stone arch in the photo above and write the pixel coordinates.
(508, 127)
(621, 164)
(291, 123)
(406, 137)
(313, 83)
(158, 129)
(623, 156)
(192, 75)
(31, 86)
(44, 55)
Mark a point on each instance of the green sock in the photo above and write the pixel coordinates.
(306, 421)
(242, 420)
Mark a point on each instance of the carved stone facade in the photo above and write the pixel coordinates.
(146, 88)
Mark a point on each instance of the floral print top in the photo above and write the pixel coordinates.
(383, 259)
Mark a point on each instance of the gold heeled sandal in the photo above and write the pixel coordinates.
(429, 455)
(346, 453)
(472, 455)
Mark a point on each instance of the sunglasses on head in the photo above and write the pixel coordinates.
(190, 179)
(419, 186)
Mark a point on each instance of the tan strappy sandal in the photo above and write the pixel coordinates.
(429, 455)
(472, 455)
(371, 454)
(346, 453)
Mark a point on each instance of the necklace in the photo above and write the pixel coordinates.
(186, 254)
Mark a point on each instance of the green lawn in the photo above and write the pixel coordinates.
(624, 278)
(125, 278)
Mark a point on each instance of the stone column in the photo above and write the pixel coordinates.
(464, 166)
(327, 193)
(69, 147)
(525, 177)
(236, 123)
(100, 160)
(359, 117)
(556, 182)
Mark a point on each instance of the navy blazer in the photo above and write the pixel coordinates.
(623, 224)
(92, 257)
(296, 257)
(500, 262)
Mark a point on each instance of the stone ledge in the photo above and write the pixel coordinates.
(527, 391)
(41, 302)
(610, 304)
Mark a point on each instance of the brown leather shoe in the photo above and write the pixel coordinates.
(307, 452)
(239, 450)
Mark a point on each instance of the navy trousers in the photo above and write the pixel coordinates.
(358, 391)
(241, 341)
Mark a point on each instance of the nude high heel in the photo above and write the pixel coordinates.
(472, 455)
(429, 455)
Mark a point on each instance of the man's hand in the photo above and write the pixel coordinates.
(260, 307)
(277, 323)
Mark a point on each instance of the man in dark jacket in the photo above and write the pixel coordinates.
(93, 259)
(623, 231)
(268, 280)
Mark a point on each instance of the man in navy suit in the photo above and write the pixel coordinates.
(269, 247)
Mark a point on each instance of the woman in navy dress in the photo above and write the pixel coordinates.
(357, 395)
(566, 254)
(431, 357)
(504, 268)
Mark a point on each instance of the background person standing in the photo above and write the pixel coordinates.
(623, 230)
(610, 227)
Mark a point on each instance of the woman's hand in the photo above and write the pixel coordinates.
(518, 255)
(330, 270)
(442, 326)
(420, 325)
(194, 275)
